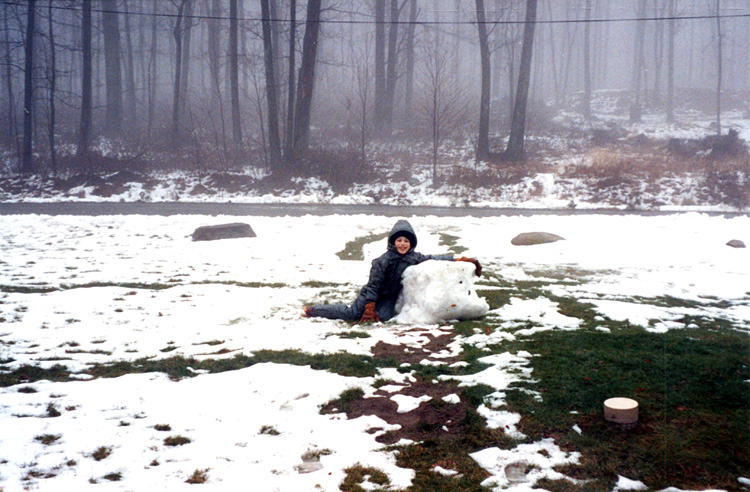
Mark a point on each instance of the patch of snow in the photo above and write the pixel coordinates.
(452, 399)
(628, 484)
(408, 403)
(539, 458)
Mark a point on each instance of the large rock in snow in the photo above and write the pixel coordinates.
(436, 291)
(532, 238)
(223, 231)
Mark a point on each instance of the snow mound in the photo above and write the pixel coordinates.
(436, 291)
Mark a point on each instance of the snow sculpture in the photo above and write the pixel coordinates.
(436, 291)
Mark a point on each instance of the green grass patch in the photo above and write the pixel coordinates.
(28, 374)
(692, 392)
(177, 367)
(351, 334)
(358, 474)
(317, 284)
(354, 250)
(343, 402)
(34, 289)
(452, 242)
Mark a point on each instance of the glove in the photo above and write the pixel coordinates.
(477, 266)
(370, 314)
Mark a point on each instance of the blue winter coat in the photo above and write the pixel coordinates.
(387, 270)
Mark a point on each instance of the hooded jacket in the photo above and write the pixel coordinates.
(386, 270)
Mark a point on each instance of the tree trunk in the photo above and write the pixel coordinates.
(638, 63)
(84, 131)
(153, 72)
(214, 43)
(719, 66)
(112, 69)
(380, 87)
(234, 75)
(515, 149)
(586, 104)
(186, 43)
(306, 79)
(28, 90)
(130, 95)
(9, 62)
(670, 62)
(289, 136)
(409, 89)
(391, 74)
(483, 139)
(177, 33)
(274, 141)
(52, 78)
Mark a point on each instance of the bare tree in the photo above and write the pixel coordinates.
(719, 66)
(586, 103)
(52, 81)
(361, 62)
(483, 139)
(442, 104)
(113, 70)
(274, 139)
(639, 63)
(392, 65)
(410, 47)
(130, 91)
(380, 83)
(28, 90)
(234, 82)
(670, 60)
(515, 149)
(291, 77)
(84, 129)
(177, 32)
(306, 79)
(9, 63)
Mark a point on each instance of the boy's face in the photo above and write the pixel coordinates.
(402, 245)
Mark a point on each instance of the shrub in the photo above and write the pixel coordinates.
(101, 453)
(177, 441)
(198, 476)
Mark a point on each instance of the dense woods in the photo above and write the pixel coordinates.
(203, 84)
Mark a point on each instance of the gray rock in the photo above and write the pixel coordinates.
(531, 238)
(736, 243)
(223, 231)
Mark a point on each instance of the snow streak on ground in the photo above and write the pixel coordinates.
(104, 289)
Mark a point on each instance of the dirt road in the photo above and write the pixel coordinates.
(297, 210)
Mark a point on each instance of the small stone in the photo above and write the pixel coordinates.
(736, 243)
(516, 471)
(309, 467)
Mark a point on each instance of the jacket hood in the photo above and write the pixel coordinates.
(402, 228)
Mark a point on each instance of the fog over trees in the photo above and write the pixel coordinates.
(268, 83)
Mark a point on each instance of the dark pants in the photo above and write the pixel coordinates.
(386, 309)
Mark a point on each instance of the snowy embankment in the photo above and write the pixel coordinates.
(84, 290)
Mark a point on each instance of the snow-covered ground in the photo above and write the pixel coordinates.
(96, 294)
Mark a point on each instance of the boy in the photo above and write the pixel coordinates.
(377, 299)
